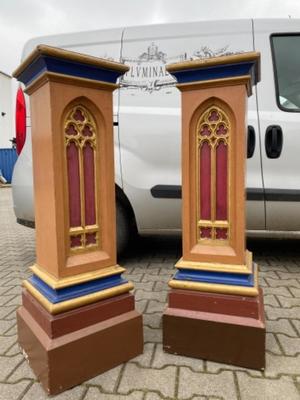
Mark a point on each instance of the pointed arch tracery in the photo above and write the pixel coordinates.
(213, 145)
(80, 132)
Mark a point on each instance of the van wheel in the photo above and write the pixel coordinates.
(123, 228)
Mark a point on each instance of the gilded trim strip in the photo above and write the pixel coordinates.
(45, 50)
(217, 288)
(213, 61)
(78, 301)
(240, 80)
(74, 80)
(76, 279)
(218, 267)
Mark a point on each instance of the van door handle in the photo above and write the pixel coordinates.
(251, 140)
(273, 141)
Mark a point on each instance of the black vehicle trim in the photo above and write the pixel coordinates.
(166, 191)
(253, 194)
(282, 195)
(25, 222)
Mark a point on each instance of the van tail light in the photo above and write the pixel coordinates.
(20, 120)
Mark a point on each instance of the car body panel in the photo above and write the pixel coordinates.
(147, 118)
(281, 175)
(149, 114)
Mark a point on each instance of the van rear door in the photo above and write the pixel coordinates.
(149, 116)
(279, 116)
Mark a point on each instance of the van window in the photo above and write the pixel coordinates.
(286, 58)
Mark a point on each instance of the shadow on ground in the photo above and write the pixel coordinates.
(169, 246)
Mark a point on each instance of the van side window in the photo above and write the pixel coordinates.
(286, 60)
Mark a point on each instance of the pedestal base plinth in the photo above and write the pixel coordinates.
(222, 328)
(68, 358)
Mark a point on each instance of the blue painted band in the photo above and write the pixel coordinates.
(222, 278)
(71, 292)
(66, 67)
(215, 72)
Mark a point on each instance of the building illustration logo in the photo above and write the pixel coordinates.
(148, 70)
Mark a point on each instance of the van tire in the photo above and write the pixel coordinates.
(123, 228)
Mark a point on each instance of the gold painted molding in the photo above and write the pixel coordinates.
(46, 50)
(76, 279)
(218, 288)
(213, 61)
(234, 81)
(73, 80)
(67, 305)
(218, 267)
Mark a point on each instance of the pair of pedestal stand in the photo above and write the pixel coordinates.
(77, 317)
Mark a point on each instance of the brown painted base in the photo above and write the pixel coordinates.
(223, 328)
(68, 359)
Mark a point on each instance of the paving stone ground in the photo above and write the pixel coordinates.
(156, 375)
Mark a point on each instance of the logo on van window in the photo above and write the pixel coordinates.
(148, 70)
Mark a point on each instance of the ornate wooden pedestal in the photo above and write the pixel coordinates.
(77, 318)
(215, 308)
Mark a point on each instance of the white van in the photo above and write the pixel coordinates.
(147, 120)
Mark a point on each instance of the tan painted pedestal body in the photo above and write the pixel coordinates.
(78, 317)
(215, 308)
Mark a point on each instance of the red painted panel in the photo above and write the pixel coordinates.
(213, 116)
(86, 131)
(76, 241)
(205, 131)
(205, 181)
(205, 233)
(221, 233)
(89, 183)
(222, 181)
(90, 238)
(71, 130)
(78, 116)
(74, 185)
(221, 130)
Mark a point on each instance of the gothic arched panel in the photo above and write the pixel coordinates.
(213, 131)
(80, 131)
